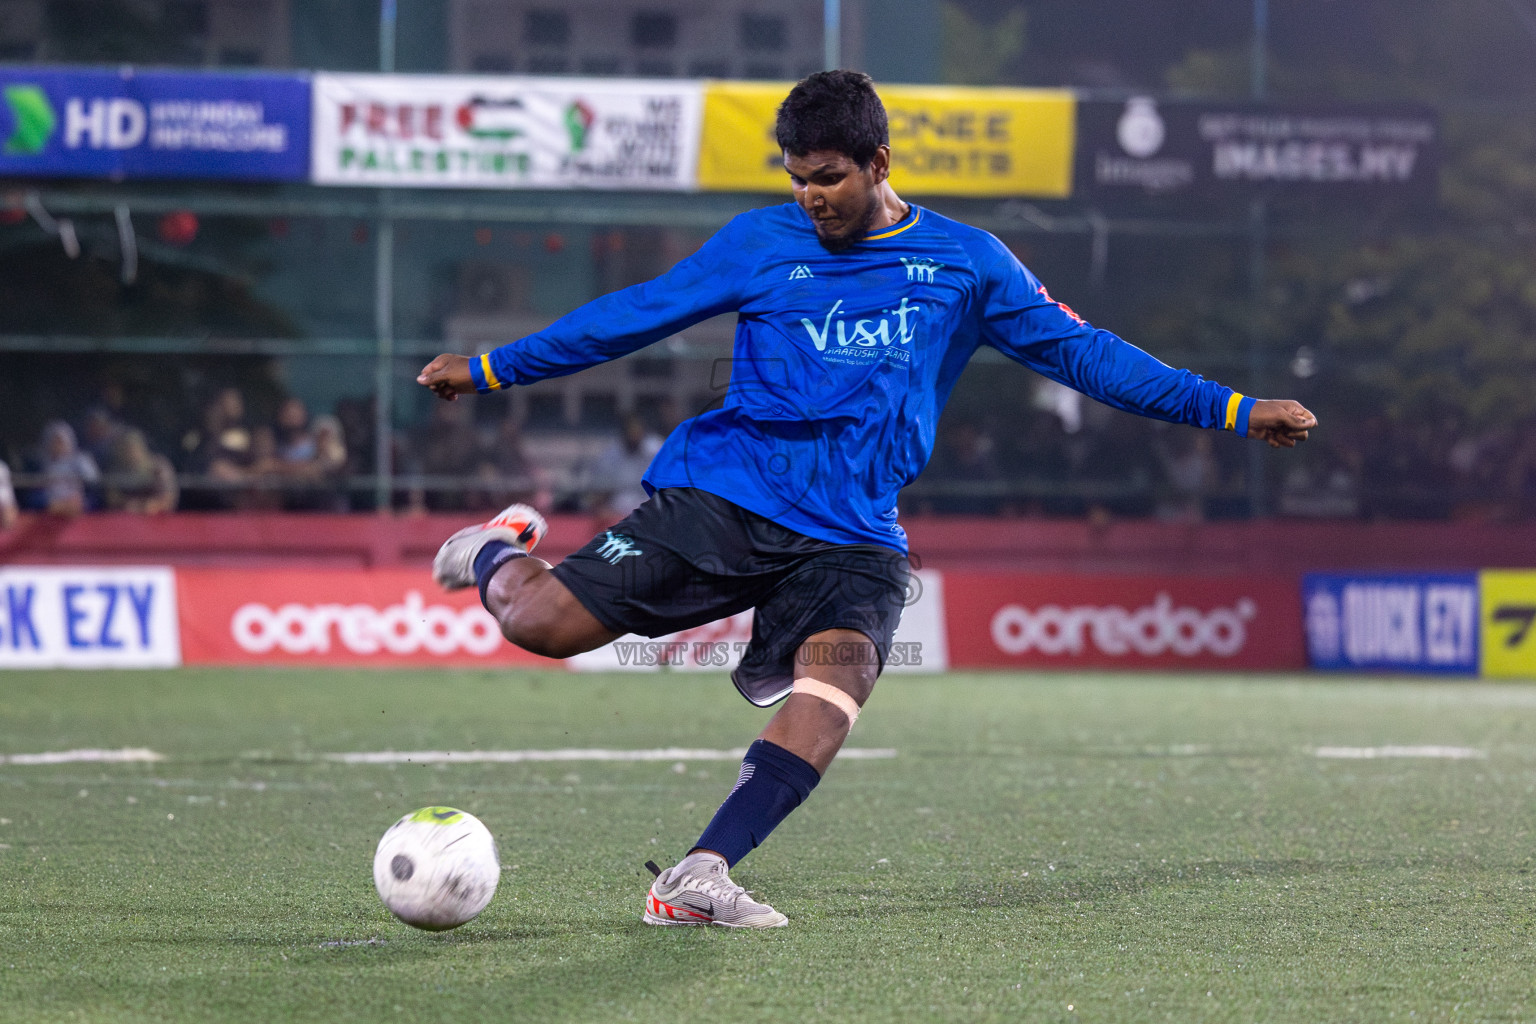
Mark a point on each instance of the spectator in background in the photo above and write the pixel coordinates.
(1190, 475)
(263, 476)
(138, 479)
(614, 488)
(446, 447)
(356, 417)
(965, 473)
(8, 512)
(1034, 451)
(100, 432)
(221, 450)
(316, 481)
(295, 442)
(508, 472)
(330, 448)
(1520, 471)
(668, 416)
(1110, 471)
(68, 472)
(1321, 488)
(104, 423)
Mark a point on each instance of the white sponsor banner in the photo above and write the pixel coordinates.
(88, 617)
(920, 644)
(443, 131)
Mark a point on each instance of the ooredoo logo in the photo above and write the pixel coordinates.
(405, 628)
(1151, 630)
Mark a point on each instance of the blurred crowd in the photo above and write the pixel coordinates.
(297, 461)
(1059, 457)
(1104, 465)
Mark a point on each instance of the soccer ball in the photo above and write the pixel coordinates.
(436, 868)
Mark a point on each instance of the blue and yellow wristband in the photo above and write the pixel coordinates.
(481, 373)
(1239, 408)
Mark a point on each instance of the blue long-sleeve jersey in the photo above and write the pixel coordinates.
(843, 361)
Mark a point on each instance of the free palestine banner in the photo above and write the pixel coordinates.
(441, 131)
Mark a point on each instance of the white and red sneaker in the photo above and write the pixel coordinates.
(518, 525)
(697, 890)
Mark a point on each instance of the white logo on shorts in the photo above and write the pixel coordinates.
(616, 546)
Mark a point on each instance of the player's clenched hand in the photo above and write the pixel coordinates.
(447, 376)
(1281, 422)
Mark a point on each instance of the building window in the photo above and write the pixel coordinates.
(545, 65)
(545, 411)
(491, 63)
(546, 28)
(653, 29)
(239, 57)
(601, 66)
(762, 72)
(599, 411)
(709, 69)
(654, 68)
(186, 17)
(763, 33)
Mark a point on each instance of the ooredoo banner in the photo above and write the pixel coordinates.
(377, 617)
(1071, 621)
(944, 140)
(84, 617)
(453, 131)
(154, 124)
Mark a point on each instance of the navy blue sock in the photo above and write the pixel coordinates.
(492, 557)
(773, 782)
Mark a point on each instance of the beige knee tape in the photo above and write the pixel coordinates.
(831, 694)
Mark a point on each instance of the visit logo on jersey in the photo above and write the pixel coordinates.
(844, 337)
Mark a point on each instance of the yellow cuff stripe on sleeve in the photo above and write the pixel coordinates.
(493, 383)
(1232, 404)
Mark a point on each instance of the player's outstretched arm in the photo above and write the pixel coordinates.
(1280, 422)
(448, 377)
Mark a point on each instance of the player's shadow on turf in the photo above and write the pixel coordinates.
(1068, 884)
(638, 967)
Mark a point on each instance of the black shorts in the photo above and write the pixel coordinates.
(688, 557)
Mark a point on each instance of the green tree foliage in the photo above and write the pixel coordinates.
(1444, 320)
(975, 49)
(1427, 314)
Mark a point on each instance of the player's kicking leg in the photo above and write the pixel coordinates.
(779, 772)
(535, 611)
(827, 678)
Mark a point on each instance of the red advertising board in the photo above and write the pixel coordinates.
(339, 617)
(991, 620)
(1135, 622)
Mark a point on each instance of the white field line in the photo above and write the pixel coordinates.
(95, 754)
(1369, 753)
(572, 754)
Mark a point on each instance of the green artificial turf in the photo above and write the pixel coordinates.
(1053, 848)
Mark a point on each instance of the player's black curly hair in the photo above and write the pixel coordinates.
(836, 110)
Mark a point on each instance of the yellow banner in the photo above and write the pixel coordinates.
(1509, 624)
(944, 140)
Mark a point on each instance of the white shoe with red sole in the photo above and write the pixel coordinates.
(517, 525)
(697, 890)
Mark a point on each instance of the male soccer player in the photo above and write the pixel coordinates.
(857, 312)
